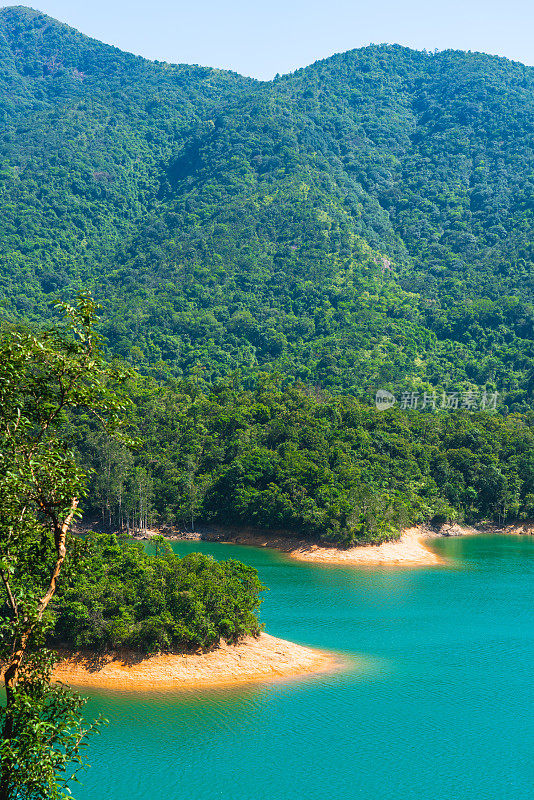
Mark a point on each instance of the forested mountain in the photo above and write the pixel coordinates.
(364, 222)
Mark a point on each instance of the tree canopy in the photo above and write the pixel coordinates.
(364, 222)
(42, 379)
(114, 594)
(92, 593)
(321, 465)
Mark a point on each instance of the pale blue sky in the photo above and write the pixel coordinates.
(282, 35)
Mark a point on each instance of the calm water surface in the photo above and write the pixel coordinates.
(438, 704)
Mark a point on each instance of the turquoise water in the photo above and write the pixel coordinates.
(439, 707)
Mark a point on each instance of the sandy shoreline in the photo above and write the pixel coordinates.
(264, 659)
(410, 550)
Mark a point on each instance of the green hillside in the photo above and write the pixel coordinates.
(231, 224)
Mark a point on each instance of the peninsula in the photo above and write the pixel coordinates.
(129, 617)
(411, 549)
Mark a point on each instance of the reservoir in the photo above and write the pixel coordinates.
(436, 703)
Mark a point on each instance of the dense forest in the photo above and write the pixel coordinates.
(270, 254)
(318, 464)
(365, 222)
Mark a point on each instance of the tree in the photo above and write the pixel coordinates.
(45, 378)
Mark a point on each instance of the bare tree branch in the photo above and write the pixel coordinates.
(60, 534)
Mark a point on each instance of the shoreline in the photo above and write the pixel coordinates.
(265, 659)
(410, 550)
(262, 660)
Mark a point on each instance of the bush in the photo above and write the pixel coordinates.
(116, 594)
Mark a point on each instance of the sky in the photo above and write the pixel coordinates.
(262, 39)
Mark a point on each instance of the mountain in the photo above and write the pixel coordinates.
(364, 222)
